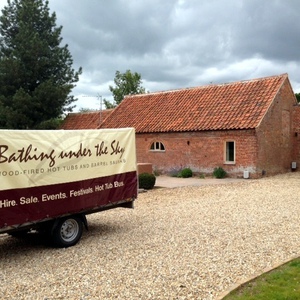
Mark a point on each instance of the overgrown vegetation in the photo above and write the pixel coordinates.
(279, 284)
(185, 173)
(219, 172)
(146, 181)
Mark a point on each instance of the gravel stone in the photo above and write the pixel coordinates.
(178, 243)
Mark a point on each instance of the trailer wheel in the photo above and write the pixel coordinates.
(67, 232)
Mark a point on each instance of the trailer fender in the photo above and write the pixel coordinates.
(84, 221)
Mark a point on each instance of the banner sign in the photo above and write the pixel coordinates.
(44, 174)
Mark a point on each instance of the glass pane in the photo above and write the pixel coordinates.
(229, 151)
(157, 146)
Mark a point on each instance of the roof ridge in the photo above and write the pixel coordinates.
(207, 85)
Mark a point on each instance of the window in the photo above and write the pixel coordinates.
(230, 152)
(157, 146)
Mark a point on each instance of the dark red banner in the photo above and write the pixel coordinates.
(19, 206)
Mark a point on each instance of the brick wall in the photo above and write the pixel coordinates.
(200, 151)
(276, 134)
(296, 135)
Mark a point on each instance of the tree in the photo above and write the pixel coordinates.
(298, 97)
(125, 84)
(36, 74)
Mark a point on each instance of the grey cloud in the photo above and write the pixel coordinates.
(177, 44)
(269, 29)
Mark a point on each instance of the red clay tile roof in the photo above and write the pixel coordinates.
(237, 105)
(85, 120)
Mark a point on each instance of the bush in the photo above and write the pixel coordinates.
(185, 173)
(146, 181)
(219, 172)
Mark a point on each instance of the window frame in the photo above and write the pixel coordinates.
(227, 153)
(157, 147)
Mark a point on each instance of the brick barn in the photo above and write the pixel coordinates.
(245, 127)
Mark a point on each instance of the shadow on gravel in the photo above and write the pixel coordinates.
(34, 242)
(15, 246)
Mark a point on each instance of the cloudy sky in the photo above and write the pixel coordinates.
(178, 43)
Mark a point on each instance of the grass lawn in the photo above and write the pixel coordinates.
(283, 283)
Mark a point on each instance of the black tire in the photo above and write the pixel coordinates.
(67, 232)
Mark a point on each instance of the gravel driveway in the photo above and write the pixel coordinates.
(179, 243)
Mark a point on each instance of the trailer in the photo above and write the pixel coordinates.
(51, 179)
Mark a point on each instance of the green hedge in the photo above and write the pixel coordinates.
(185, 173)
(219, 172)
(146, 181)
